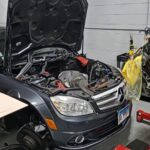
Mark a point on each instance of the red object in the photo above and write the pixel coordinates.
(60, 85)
(141, 115)
(82, 60)
(121, 147)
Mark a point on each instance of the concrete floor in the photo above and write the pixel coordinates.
(131, 132)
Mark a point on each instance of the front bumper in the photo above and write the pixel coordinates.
(88, 145)
(93, 132)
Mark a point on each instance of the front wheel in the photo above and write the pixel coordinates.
(30, 139)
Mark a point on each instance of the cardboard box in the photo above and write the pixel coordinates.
(9, 105)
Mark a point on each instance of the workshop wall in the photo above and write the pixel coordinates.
(106, 45)
(118, 14)
(3, 13)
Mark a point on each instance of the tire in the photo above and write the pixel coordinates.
(30, 139)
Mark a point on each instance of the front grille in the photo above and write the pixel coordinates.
(111, 98)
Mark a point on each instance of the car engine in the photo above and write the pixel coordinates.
(43, 70)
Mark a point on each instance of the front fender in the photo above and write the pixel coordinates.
(25, 93)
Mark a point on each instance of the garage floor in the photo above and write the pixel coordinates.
(132, 131)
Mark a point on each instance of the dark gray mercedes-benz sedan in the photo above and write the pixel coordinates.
(74, 102)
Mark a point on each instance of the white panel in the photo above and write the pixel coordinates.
(3, 12)
(115, 13)
(106, 45)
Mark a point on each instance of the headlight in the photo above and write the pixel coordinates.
(70, 106)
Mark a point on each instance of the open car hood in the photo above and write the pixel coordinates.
(34, 23)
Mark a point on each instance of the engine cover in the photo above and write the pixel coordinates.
(73, 79)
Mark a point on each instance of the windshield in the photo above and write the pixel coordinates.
(3, 20)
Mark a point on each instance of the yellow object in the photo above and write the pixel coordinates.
(131, 52)
(132, 72)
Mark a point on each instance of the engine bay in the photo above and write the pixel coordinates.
(57, 70)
